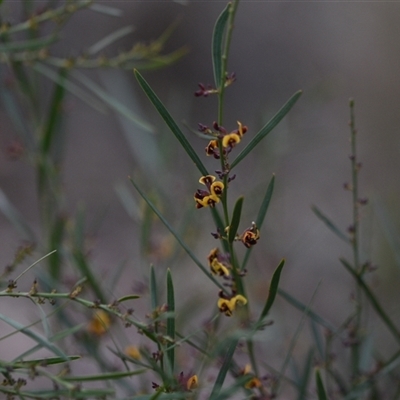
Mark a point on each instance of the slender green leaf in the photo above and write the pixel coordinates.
(34, 336)
(373, 300)
(63, 393)
(112, 102)
(128, 297)
(262, 212)
(273, 289)
(55, 338)
(228, 355)
(153, 288)
(267, 128)
(330, 224)
(109, 39)
(55, 113)
(107, 10)
(305, 378)
(171, 319)
(320, 386)
(73, 88)
(103, 377)
(28, 45)
(86, 270)
(318, 339)
(56, 241)
(13, 215)
(43, 361)
(171, 123)
(302, 307)
(13, 109)
(294, 339)
(218, 44)
(237, 211)
(177, 237)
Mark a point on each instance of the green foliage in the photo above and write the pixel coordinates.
(163, 357)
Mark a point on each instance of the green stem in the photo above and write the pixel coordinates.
(225, 55)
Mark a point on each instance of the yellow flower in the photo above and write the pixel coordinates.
(207, 180)
(204, 198)
(212, 148)
(227, 306)
(192, 382)
(132, 352)
(100, 323)
(241, 129)
(218, 269)
(217, 188)
(253, 383)
(250, 236)
(230, 140)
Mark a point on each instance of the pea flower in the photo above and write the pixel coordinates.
(210, 197)
(227, 306)
(216, 262)
(250, 236)
(229, 140)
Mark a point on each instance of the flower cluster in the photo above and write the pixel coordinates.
(228, 139)
(211, 196)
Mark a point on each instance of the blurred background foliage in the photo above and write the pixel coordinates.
(330, 50)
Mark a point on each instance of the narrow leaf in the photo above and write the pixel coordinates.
(320, 386)
(262, 212)
(305, 378)
(373, 300)
(273, 289)
(128, 297)
(107, 10)
(34, 336)
(49, 73)
(330, 224)
(267, 128)
(170, 123)
(14, 216)
(303, 308)
(230, 351)
(318, 339)
(171, 319)
(153, 288)
(237, 211)
(109, 39)
(112, 102)
(177, 237)
(28, 45)
(50, 129)
(218, 43)
(43, 361)
(103, 377)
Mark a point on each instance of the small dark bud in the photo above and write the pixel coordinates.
(363, 201)
(351, 229)
(202, 128)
